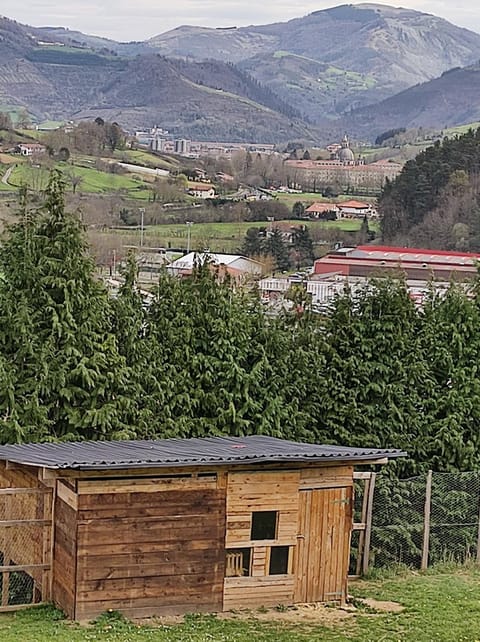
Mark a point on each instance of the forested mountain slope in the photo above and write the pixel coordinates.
(435, 201)
(195, 99)
(386, 49)
(321, 65)
(452, 99)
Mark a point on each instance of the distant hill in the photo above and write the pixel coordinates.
(309, 78)
(74, 38)
(211, 100)
(318, 89)
(380, 49)
(453, 99)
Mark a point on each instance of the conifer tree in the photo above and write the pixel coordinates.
(65, 375)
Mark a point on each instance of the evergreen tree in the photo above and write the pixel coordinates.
(211, 348)
(298, 209)
(65, 376)
(275, 246)
(253, 243)
(303, 246)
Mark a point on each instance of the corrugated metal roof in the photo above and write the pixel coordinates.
(101, 455)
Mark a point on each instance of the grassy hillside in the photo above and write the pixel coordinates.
(317, 89)
(92, 180)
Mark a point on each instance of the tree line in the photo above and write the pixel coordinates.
(203, 358)
(435, 200)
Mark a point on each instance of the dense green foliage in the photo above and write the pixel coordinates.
(203, 358)
(297, 252)
(436, 191)
(62, 375)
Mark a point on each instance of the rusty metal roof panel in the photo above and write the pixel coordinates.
(103, 455)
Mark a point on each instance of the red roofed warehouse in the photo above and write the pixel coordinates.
(417, 264)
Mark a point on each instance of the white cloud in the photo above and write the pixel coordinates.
(127, 20)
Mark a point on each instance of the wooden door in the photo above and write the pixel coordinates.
(323, 543)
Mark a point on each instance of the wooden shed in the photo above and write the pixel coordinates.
(175, 526)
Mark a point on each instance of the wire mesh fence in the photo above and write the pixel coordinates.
(25, 546)
(425, 520)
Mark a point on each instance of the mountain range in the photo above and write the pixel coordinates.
(363, 67)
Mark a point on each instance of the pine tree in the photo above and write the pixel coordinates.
(65, 375)
(275, 246)
(253, 243)
(303, 246)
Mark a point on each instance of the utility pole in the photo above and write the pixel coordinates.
(142, 214)
(189, 226)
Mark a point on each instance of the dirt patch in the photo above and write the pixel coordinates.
(299, 614)
(384, 606)
(307, 614)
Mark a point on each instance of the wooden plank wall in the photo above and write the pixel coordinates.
(279, 491)
(260, 491)
(150, 546)
(64, 555)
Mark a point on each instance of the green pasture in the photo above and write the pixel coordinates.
(145, 158)
(227, 237)
(460, 129)
(413, 607)
(92, 180)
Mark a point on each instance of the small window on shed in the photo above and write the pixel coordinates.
(237, 562)
(264, 525)
(279, 560)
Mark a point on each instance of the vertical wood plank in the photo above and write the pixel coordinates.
(300, 550)
(368, 527)
(426, 523)
(363, 519)
(347, 543)
(340, 542)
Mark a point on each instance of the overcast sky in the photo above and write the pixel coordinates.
(141, 19)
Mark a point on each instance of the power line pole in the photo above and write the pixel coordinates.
(142, 214)
(189, 227)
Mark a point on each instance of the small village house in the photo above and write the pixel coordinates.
(202, 190)
(354, 209)
(177, 525)
(322, 210)
(30, 149)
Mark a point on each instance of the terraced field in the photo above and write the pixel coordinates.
(91, 180)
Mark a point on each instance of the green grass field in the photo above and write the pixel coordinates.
(228, 237)
(93, 181)
(145, 158)
(438, 607)
(460, 129)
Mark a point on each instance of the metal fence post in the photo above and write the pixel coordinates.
(426, 522)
